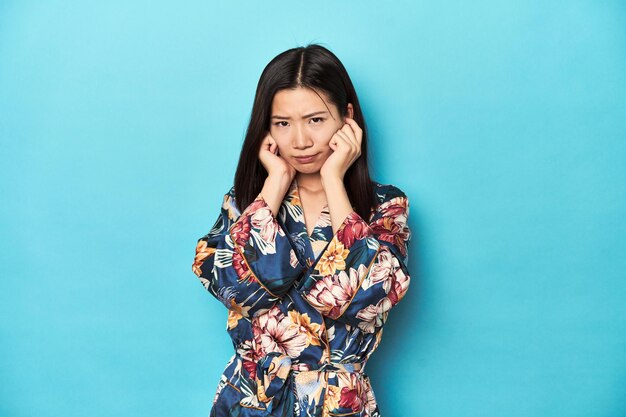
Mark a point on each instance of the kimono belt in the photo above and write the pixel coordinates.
(274, 384)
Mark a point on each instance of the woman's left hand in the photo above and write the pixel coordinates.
(346, 146)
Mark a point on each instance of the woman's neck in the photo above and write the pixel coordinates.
(310, 182)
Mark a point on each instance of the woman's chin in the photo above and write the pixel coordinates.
(307, 169)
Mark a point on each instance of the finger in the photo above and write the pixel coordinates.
(355, 143)
(353, 153)
(334, 142)
(340, 134)
(356, 128)
(269, 139)
(349, 137)
(350, 132)
(353, 124)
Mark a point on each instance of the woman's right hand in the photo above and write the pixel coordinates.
(279, 174)
(274, 164)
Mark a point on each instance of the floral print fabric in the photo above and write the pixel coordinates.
(304, 312)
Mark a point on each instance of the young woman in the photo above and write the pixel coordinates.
(308, 253)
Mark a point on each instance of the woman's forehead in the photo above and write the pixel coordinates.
(299, 102)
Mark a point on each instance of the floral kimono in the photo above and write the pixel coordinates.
(304, 312)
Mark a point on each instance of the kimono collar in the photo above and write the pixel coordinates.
(292, 218)
(293, 205)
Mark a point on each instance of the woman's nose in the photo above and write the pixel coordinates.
(300, 139)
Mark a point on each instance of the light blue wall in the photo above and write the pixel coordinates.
(504, 122)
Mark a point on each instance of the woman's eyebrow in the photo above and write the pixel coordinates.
(306, 116)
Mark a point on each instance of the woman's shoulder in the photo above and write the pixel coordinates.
(229, 204)
(392, 203)
(386, 192)
(229, 195)
(230, 192)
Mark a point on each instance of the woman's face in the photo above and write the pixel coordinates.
(302, 127)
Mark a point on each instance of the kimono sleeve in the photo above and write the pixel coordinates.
(246, 260)
(362, 273)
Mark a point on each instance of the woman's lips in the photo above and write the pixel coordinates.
(306, 159)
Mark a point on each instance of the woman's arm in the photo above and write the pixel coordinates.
(362, 272)
(246, 260)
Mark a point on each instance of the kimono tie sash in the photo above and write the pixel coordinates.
(273, 376)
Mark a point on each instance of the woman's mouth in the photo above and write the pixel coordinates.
(305, 159)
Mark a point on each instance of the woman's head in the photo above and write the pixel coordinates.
(302, 122)
(294, 84)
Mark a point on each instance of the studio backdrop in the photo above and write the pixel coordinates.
(121, 124)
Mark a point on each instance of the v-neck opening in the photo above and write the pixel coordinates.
(316, 226)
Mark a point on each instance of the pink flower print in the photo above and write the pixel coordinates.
(333, 293)
(276, 332)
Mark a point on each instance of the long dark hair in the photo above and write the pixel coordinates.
(312, 66)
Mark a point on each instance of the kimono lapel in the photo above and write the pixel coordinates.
(292, 216)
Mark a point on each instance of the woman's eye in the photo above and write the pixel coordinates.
(279, 123)
(320, 119)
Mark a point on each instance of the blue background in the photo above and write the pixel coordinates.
(504, 122)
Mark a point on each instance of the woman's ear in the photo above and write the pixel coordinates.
(350, 113)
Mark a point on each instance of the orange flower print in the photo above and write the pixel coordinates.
(235, 313)
(230, 207)
(202, 253)
(332, 397)
(294, 199)
(333, 259)
(312, 330)
(233, 319)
